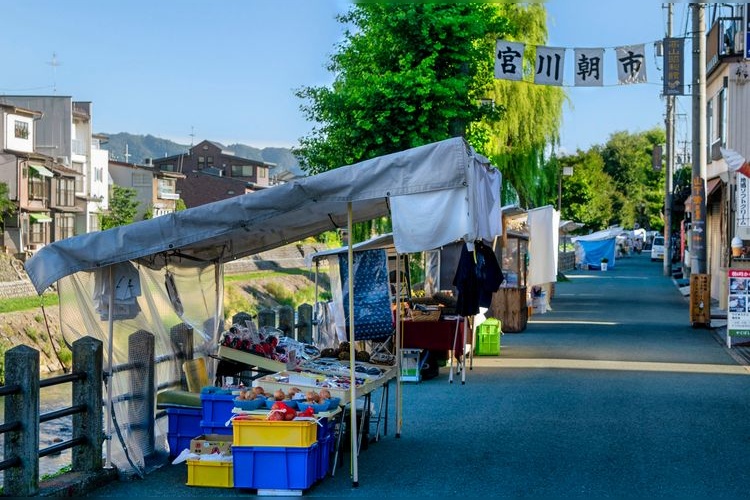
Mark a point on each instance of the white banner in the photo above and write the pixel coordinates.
(589, 67)
(509, 60)
(550, 62)
(631, 64)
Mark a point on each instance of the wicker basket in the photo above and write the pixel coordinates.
(430, 315)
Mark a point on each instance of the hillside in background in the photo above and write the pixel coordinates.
(140, 147)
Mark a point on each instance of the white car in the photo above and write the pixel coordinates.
(657, 248)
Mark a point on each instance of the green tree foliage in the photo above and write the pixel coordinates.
(406, 75)
(587, 195)
(616, 183)
(123, 207)
(628, 161)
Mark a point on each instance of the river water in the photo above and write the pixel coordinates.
(51, 398)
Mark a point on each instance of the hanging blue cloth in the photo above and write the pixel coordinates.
(373, 318)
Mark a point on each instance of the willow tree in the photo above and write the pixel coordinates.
(521, 143)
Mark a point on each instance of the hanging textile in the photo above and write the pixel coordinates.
(478, 276)
(373, 318)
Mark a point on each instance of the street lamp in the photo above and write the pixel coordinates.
(567, 172)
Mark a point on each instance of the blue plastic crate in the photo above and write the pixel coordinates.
(217, 407)
(326, 428)
(183, 424)
(325, 448)
(275, 468)
(215, 428)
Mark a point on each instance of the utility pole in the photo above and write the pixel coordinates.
(698, 189)
(668, 185)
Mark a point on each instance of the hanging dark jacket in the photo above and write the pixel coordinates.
(477, 277)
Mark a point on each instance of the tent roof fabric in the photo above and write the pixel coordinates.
(376, 242)
(248, 224)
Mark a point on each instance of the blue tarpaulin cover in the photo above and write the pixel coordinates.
(594, 251)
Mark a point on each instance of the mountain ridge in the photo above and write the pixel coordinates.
(141, 147)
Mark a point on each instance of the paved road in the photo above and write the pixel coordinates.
(611, 394)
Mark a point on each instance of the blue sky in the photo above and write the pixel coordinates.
(226, 70)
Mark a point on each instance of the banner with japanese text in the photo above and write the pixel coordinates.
(589, 67)
(548, 65)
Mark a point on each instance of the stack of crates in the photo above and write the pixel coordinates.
(183, 424)
(217, 410)
(276, 455)
(212, 473)
(488, 338)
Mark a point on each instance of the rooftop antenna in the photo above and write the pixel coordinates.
(127, 155)
(192, 136)
(54, 63)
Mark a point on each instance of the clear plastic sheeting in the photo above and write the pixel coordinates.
(145, 333)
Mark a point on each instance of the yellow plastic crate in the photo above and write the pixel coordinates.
(292, 434)
(210, 473)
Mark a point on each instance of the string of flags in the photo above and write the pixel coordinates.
(588, 64)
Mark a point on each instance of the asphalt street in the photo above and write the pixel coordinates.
(610, 394)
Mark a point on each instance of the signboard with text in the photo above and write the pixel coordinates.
(738, 310)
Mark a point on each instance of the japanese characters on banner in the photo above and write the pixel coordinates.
(588, 64)
(738, 314)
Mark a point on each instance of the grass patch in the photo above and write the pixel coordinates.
(26, 303)
(267, 274)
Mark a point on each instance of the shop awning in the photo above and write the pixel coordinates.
(41, 170)
(40, 218)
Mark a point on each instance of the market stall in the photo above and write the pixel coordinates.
(153, 275)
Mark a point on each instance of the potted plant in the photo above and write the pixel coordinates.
(604, 263)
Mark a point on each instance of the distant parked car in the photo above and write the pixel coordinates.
(657, 248)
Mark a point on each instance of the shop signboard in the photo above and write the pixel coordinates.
(738, 310)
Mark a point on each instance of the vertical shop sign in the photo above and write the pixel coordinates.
(738, 315)
(674, 68)
(747, 31)
(698, 240)
(743, 201)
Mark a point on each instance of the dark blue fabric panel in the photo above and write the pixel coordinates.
(372, 302)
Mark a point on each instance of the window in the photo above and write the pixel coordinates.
(94, 223)
(201, 162)
(709, 126)
(723, 117)
(64, 226)
(210, 161)
(65, 192)
(141, 179)
(22, 129)
(78, 167)
(166, 185)
(261, 172)
(243, 170)
(37, 186)
(38, 232)
(169, 167)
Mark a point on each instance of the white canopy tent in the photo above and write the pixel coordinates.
(435, 194)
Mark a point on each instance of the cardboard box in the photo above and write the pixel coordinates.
(212, 443)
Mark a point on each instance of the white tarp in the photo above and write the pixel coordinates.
(544, 237)
(435, 194)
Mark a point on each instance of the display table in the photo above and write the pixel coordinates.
(306, 380)
(441, 335)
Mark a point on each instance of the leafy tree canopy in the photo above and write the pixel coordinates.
(123, 207)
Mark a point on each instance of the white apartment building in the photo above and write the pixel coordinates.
(65, 133)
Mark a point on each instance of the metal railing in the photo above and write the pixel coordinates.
(22, 417)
